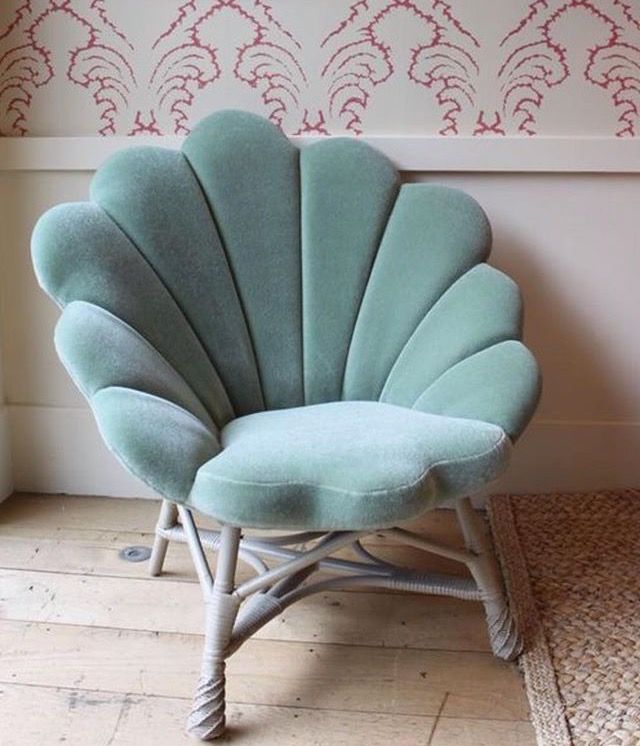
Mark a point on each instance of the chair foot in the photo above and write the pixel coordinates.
(504, 636)
(207, 718)
(167, 519)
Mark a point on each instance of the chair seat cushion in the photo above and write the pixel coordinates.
(344, 465)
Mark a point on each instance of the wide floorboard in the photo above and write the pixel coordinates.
(93, 651)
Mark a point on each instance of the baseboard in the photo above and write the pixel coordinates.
(6, 468)
(58, 449)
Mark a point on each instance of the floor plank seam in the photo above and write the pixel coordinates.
(190, 581)
(314, 641)
(124, 706)
(71, 573)
(231, 701)
(437, 719)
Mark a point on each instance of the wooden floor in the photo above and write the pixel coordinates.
(93, 652)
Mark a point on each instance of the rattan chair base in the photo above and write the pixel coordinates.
(237, 611)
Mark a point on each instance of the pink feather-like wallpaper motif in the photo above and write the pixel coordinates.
(494, 68)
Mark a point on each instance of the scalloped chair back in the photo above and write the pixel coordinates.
(271, 278)
(240, 275)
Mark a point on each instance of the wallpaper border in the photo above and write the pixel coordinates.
(534, 68)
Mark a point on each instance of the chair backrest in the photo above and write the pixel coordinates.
(242, 274)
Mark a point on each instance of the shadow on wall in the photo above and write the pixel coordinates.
(570, 241)
(565, 452)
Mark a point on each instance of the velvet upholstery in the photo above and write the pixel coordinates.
(344, 464)
(348, 191)
(249, 173)
(212, 298)
(184, 248)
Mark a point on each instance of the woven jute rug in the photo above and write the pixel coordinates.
(572, 569)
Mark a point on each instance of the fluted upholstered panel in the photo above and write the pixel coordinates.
(249, 172)
(155, 198)
(81, 254)
(348, 190)
(500, 384)
(243, 275)
(434, 234)
(86, 333)
(480, 309)
(158, 441)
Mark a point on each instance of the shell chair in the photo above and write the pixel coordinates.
(290, 339)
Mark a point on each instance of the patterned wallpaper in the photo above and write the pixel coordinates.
(462, 67)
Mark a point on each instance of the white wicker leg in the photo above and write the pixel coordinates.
(167, 519)
(207, 718)
(504, 635)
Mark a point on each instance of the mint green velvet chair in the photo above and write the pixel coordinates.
(291, 340)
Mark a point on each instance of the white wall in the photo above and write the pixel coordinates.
(570, 240)
(573, 245)
(54, 442)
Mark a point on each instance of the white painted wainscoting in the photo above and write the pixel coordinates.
(565, 214)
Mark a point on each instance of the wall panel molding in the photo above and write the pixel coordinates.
(409, 153)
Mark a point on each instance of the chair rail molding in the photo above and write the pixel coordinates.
(419, 153)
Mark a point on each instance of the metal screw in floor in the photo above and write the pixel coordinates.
(135, 554)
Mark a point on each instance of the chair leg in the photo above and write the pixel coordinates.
(274, 589)
(504, 635)
(207, 718)
(167, 519)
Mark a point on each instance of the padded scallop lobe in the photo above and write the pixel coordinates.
(499, 385)
(249, 172)
(158, 441)
(244, 275)
(433, 236)
(81, 254)
(86, 333)
(348, 190)
(154, 197)
(482, 308)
